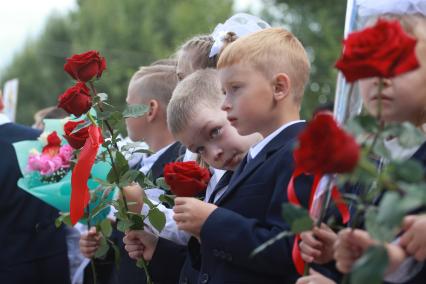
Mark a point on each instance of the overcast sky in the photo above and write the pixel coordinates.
(23, 19)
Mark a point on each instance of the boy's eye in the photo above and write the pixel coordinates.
(235, 88)
(215, 132)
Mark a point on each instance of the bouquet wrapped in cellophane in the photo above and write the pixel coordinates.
(46, 168)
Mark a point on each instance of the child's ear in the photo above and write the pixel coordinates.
(153, 110)
(282, 85)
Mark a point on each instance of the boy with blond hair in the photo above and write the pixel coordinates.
(152, 86)
(195, 119)
(263, 76)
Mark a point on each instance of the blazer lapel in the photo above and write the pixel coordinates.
(170, 155)
(283, 139)
(420, 154)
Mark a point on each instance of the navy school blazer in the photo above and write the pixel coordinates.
(27, 229)
(128, 272)
(249, 214)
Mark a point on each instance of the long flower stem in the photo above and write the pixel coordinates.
(92, 261)
(116, 175)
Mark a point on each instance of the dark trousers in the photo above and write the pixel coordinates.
(49, 270)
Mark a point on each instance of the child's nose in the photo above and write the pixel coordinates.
(385, 82)
(217, 154)
(226, 105)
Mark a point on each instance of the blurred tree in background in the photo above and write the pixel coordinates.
(319, 25)
(131, 33)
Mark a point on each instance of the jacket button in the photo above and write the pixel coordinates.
(204, 278)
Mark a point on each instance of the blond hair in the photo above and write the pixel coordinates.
(271, 51)
(157, 81)
(201, 45)
(200, 89)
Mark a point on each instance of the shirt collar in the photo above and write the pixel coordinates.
(255, 150)
(147, 162)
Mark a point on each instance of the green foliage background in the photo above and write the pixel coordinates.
(132, 33)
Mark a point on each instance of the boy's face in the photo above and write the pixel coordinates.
(249, 98)
(211, 135)
(403, 98)
(135, 126)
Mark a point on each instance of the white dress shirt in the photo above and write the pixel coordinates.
(255, 150)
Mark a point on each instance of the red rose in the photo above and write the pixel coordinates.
(76, 100)
(85, 66)
(325, 148)
(53, 144)
(383, 50)
(186, 179)
(76, 140)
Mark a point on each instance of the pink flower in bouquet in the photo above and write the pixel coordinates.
(66, 152)
(45, 164)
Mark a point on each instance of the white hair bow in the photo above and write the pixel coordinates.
(241, 24)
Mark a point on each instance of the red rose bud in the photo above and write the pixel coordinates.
(325, 148)
(76, 140)
(76, 100)
(186, 179)
(85, 66)
(53, 144)
(383, 50)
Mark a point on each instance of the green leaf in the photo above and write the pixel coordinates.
(377, 230)
(63, 218)
(408, 171)
(148, 202)
(370, 268)
(121, 163)
(106, 227)
(137, 220)
(161, 183)
(102, 251)
(167, 199)
(129, 177)
(297, 217)
(381, 150)
(390, 212)
(157, 219)
(135, 111)
(124, 225)
(115, 119)
(104, 115)
(80, 126)
(144, 151)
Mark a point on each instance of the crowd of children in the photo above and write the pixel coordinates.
(231, 100)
